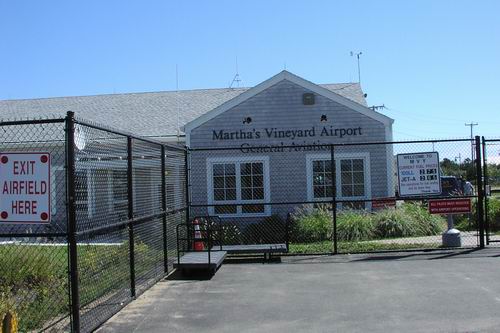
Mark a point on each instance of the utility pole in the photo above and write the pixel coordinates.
(471, 124)
(359, 67)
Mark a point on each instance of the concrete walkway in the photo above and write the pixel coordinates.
(469, 239)
(443, 291)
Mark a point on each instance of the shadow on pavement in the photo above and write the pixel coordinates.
(251, 260)
(397, 256)
(190, 275)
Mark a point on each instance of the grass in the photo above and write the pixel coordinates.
(34, 278)
(33, 283)
(353, 247)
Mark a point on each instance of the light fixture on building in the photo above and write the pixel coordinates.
(247, 120)
(323, 118)
(308, 99)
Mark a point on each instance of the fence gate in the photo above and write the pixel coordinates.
(491, 184)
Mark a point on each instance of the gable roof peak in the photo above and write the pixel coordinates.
(288, 76)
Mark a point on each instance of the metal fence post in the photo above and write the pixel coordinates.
(71, 215)
(480, 192)
(334, 197)
(130, 199)
(485, 186)
(164, 208)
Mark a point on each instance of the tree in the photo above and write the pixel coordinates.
(466, 169)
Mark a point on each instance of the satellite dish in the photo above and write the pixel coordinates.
(79, 137)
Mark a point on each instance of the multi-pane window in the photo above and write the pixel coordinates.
(238, 187)
(322, 179)
(252, 185)
(352, 177)
(224, 187)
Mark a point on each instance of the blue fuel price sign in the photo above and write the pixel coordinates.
(419, 174)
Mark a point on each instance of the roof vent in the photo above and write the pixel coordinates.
(308, 99)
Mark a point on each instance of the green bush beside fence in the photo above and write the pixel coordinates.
(314, 224)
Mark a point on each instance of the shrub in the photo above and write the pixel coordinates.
(394, 223)
(463, 222)
(469, 222)
(354, 225)
(311, 224)
(314, 224)
(409, 220)
(493, 214)
(231, 234)
(228, 232)
(269, 231)
(427, 224)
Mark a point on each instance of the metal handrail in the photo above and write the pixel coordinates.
(189, 230)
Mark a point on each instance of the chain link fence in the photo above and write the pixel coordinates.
(491, 167)
(327, 199)
(115, 201)
(34, 257)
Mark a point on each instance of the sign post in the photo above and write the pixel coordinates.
(24, 188)
(451, 237)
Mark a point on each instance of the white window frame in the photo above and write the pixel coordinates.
(238, 202)
(338, 157)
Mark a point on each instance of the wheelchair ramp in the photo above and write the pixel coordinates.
(200, 260)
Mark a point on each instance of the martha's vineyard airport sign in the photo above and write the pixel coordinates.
(292, 139)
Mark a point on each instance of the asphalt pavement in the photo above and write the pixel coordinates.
(446, 291)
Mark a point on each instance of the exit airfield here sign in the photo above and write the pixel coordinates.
(24, 187)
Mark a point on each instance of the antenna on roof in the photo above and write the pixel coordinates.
(177, 101)
(359, 68)
(377, 107)
(236, 77)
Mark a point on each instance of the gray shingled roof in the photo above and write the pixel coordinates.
(146, 114)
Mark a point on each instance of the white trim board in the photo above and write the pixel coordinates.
(282, 76)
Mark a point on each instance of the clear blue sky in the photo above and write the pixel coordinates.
(434, 64)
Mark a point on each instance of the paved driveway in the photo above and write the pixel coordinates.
(408, 292)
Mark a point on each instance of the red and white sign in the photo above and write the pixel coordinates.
(24, 187)
(450, 206)
(382, 203)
